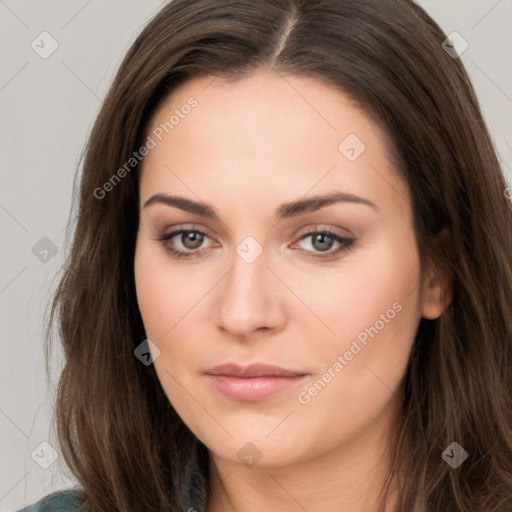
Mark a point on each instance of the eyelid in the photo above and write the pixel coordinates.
(173, 230)
(320, 228)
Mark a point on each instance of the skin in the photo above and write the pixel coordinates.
(246, 148)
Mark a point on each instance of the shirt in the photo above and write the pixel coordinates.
(61, 501)
(70, 501)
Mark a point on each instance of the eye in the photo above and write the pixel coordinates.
(189, 242)
(323, 242)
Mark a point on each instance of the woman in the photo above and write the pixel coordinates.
(290, 280)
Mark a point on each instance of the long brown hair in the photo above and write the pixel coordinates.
(118, 432)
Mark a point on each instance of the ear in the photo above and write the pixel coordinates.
(438, 286)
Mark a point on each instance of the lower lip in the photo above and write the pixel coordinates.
(252, 389)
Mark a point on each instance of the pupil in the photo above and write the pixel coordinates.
(195, 240)
(324, 239)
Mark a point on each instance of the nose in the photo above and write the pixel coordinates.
(251, 299)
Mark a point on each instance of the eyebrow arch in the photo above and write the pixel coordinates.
(287, 210)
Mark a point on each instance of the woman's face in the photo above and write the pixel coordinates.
(273, 274)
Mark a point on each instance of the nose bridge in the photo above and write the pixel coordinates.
(248, 300)
(249, 269)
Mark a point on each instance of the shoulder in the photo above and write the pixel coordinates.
(60, 501)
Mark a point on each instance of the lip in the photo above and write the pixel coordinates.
(253, 370)
(254, 382)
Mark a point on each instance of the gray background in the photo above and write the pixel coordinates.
(47, 108)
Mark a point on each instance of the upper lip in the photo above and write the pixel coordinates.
(253, 370)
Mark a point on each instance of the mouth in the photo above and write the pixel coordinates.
(254, 382)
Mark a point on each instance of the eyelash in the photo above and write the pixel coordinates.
(346, 244)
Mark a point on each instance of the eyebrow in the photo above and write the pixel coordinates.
(287, 210)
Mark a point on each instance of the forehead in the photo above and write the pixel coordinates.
(267, 133)
(290, 105)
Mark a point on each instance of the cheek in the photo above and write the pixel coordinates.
(375, 314)
(352, 296)
(154, 297)
(164, 294)
(165, 298)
